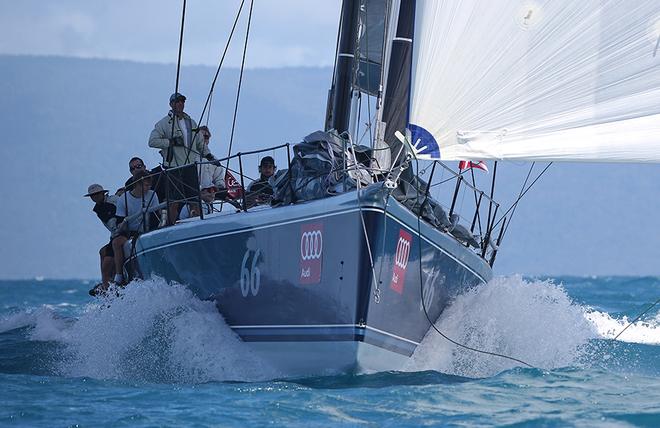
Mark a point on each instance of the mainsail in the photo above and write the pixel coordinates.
(536, 80)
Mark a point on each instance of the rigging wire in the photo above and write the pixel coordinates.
(521, 195)
(637, 318)
(421, 289)
(529, 173)
(476, 201)
(209, 97)
(240, 78)
(178, 62)
(222, 60)
(178, 71)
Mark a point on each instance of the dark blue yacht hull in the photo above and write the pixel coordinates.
(325, 286)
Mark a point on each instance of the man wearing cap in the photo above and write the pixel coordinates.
(136, 213)
(260, 191)
(181, 143)
(105, 207)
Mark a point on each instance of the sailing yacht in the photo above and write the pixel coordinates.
(357, 258)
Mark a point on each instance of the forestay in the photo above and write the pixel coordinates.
(536, 80)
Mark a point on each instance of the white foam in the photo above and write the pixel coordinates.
(533, 321)
(46, 325)
(158, 332)
(644, 332)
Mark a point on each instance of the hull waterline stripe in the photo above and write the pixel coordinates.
(319, 326)
(302, 219)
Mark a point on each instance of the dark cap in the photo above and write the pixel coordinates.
(175, 96)
(267, 160)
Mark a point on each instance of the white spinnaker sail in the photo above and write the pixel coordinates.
(537, 80)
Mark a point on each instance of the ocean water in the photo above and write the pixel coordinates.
(157, 356)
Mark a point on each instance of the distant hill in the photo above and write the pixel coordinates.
(70, 122)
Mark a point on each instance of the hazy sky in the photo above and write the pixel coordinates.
(282, 33)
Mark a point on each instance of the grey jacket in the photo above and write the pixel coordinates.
(173, 156)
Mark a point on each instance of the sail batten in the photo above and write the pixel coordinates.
(536, 80)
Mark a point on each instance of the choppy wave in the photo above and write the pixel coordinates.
(155, 331)
(642, 331)
(534, 321)
(151, 331)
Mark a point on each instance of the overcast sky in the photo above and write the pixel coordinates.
(283, 32)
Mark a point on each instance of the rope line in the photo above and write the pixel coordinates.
(637, 318)
(421, 290)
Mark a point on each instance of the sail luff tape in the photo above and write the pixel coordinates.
(402, 39)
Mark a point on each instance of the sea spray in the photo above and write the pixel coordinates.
(534, 321)
(642, 331)
(158, 332)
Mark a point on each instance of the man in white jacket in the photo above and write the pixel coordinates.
(181, 144)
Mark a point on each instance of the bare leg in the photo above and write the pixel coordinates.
(173, 213)
(101, 257)
(118, 248)
(107, 265)
(108, 269)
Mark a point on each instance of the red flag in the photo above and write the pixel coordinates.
(234, 189)
(470, 164)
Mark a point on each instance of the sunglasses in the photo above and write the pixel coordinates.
(134, 167)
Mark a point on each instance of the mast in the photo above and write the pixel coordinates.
(396, 100)
(340, 95)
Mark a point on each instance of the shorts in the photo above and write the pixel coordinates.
(129, 234)
(181, 183)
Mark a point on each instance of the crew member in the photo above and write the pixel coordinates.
(180, 144)
(260, 191)
(135, 213)
(105, 207)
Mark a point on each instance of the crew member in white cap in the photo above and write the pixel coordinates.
(105, 207)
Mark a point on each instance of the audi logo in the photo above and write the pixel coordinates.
(311, 245)
(402, 253)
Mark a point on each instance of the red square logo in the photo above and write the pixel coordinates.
(311, 253)
(401, 257)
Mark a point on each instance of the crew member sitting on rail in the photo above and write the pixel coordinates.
(181, 144)
(105, 208)
(135, 215)
(136, 165)
(207, 194)
(211, 172)
(260, 191)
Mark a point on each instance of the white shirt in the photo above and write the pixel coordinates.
(185, 212)
(184, 129)
(130, 206)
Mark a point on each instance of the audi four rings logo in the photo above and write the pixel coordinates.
(402, 253)
(311, 245)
